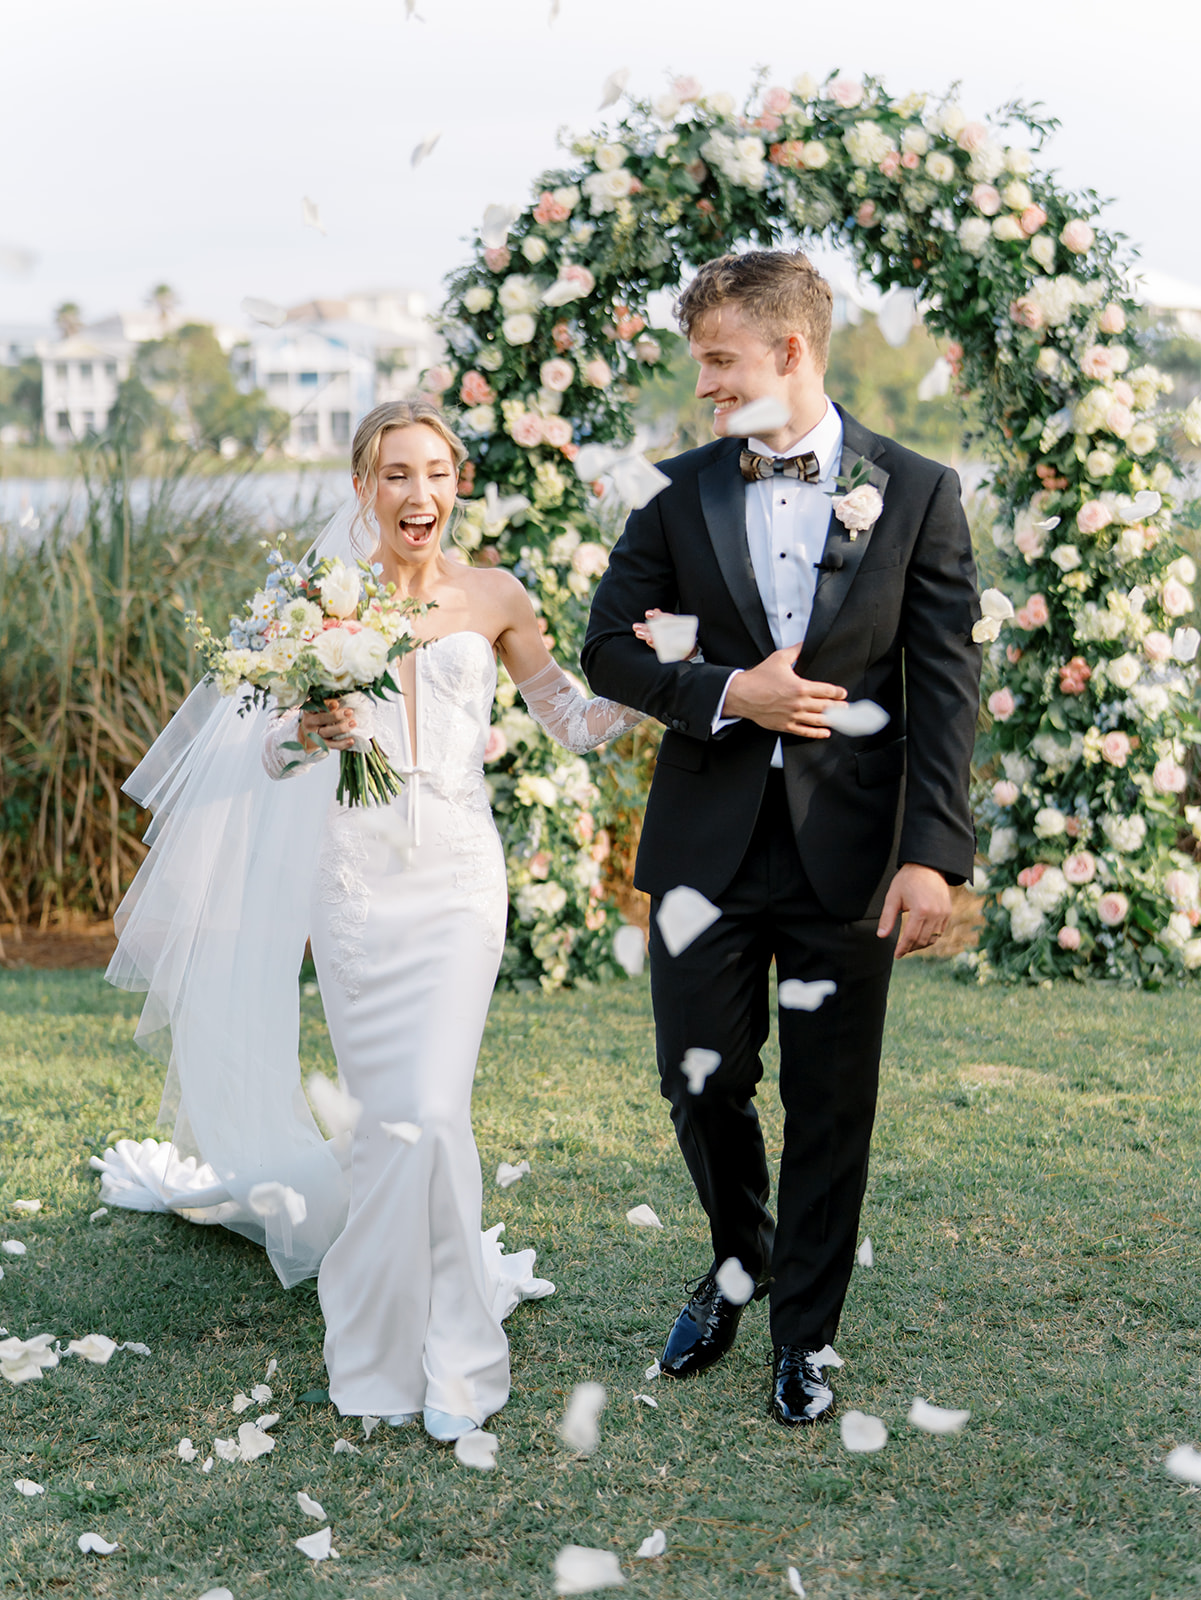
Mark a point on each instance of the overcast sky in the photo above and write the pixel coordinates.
(143, 141)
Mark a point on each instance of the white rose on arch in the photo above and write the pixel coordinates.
(519, 293)
(519, 328)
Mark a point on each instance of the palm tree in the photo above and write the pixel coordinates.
(165, 301)
(69, 319)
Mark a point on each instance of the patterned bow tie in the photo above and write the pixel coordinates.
(754, 467)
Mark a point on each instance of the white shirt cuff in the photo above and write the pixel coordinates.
(720, 723)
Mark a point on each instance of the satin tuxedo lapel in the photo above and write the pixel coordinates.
(834, 586)
(723, 501)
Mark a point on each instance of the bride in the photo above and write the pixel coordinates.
(406, 911)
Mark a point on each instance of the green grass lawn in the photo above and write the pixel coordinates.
(1034, 1209)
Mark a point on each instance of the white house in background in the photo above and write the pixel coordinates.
(80, 378)
(1172, 298)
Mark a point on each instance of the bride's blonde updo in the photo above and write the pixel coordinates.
(364, 452)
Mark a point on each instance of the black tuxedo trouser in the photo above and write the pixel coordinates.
(714, 995)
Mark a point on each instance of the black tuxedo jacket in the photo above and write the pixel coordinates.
(891, 624)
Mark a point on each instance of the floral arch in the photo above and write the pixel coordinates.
(1083, 756)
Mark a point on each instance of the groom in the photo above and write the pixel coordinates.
(810, 842)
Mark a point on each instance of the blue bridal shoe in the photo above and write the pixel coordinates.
(402, 1419)
(446, 1429)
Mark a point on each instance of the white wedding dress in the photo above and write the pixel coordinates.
(406, 913)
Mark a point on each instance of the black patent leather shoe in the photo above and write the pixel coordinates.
(703, 1331)
(799, 1391)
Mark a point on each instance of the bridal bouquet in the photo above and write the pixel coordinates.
(308, 635)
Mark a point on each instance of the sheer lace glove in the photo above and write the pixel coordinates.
(285, 729)
(571, 720)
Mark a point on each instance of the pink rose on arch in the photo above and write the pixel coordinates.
(1005, 792)
(438, 379)
(777, 100)
(557, 374)
(1093, 516)
(1068, 938)
(1001, 704)
(1029, 876)
(910, 160)
(1032, 219)
(496, 746)
(972, 135)
(686, 89)
(526, 430)
(1026, 312)
(767, 122)
(1119, 419)
(891, 164)
(1097, 362)
(846, 93)
(1157, 646)
(1169, 776)
(986, 199)
(1077, 237)
(475, 390)
(1176, 600)
(1036, 610)
(1073, 827)
(1112, 909)
(1181, 889)
(597, 373)
(866, 214)
(1123, 393)
(1115, 748)
(540, 865)
(1012, 654)
(1030, 541)
(1112, 319)
(556, 431)
(497, 257)
(1080, 868)
(571, 451)
(549, 209)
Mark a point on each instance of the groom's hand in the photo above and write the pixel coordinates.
(772, 695)
(921, 893)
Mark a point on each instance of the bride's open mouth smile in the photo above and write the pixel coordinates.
(419, 529)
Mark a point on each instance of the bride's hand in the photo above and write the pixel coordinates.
(335, 725)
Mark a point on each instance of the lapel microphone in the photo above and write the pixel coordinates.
(830, 562)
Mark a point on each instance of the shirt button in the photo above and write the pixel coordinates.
(781, 555)
(788, 616)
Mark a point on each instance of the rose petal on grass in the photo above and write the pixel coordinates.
(937, 1419)
(310, 1507)
(343, 1447)
(477, 1449)
(629, 949)
(186, 1450)
(272, 1369)
(643, 1217)
(579, 1570)
(580, 1427)
(24, 1359)
(264, 311)
(757, 417)
(862, 1433)
(653, 1545)
(673, 636)
(734, 1281)
(611, 89)
(865, 1255)
(1185, 1463)
(697, 1065)
(26, 1486)
(795, 1584)
(653, 1370)
(95, 1544)
(827, 1356)
(12, 1247)
(135, 1348)
(683, 916)
(405, 1132)
(27, 1205)
(261, 1393)
(268, 1421)
(648, 1400)
(239, 1403)
(424, 149)
(94, 1347)
(272, 1199)
(95, 1216)
(507, 1176)
(855, 718)
(370, 1424)
(310, 214)
(317, 1546)
(207, 1464)
(338, 1110)
(794, 994)
(253, 1442)
(217, 1594)
(227, 1449)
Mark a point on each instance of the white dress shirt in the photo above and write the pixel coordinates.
(786, 525)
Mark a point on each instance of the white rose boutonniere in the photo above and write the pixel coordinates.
(860, 509)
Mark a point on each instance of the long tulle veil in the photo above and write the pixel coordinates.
(213, 930)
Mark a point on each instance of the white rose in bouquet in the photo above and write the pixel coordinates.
(330, 649)
(365, 654)
(341, 589)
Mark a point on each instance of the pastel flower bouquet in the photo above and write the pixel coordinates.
(310, 635)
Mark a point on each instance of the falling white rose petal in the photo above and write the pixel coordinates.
(937, 1419)
(310, 215)
(338, 1110)
(310, 1507)
(827, 1356)
(579, 1570)
(94, 1544)
(996, 605)
(636, 481)
(477, 1449)
(134, 1348)
(370, 1424)
(1045, 527)
(985, 630)
(186, 1450)
(698, 1065)
(643, 1217)
(673, 637)
(425, 148)
(653, 1370)
(95, 1347)
(95, 1216)
(865, 1255)
(343, 1447)
(683, 916)
(497, 222)
(795, 1584)
(240, 1403)
(593, 460)
(27, 1205)
(580, 1427)
(26, 1486)
(261, 1393)
(856, 718)
(1144, 504)
(861, 1433)
(937, 381)
(629, 949)
(757, 417)
(1185, 1463)
(611, 89)
(734, 1281)
(264, 311)
(653, 1545)
(405, 1132)
(270, 1199)
(796, 995)
(507, 1176)
(647, 1399)
(317, 1546)
(13, 1247)
(1185, 642)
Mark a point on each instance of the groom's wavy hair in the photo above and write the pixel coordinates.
(364, 451)
(779, 292)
